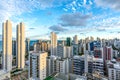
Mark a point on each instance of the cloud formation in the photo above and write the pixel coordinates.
(114, 4)
(101, 30)
(17, 7)
(74, 19)
(78, 5)
(57, 28)
(31, 28)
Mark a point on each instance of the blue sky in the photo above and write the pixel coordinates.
(65, 17)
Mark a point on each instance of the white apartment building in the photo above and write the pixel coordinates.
(78, 65)
(113, 71)
(87, 64)
(51, 65)
(82, 65)
(98, 65)
(37, 65)
(62, 66)
(64, 51)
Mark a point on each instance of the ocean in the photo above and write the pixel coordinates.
(31, 43)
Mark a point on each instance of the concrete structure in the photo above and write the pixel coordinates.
(41, 46)
(64, 51)
(94, 44)
(98, 65)
(75, 49)
(37, 47)
(51, 65)
(27, 45)
(53, 43)
(37, 65)
(62, 66)
(13, 47)
(87, 64)
(91, 38)
(86, 61)
(108, 53)
(80, 66)
(60, 50)
(20, 44)
(113, 70)
(98, 52)
(75, 39)
(7, 46)
(68, 41)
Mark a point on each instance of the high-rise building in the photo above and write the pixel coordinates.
(98, 52)
(81, 65)
(113, 70)
(42, 46)
(75, 39)
(68, 41)
(94, 44)
(37, 65)
(60, 51)
(98, 65)
(78, 65)
(7, 45)
(62, 66)
(51, 65)
(108, 55)
(91, 38)
(20, 44)
(14, 53)
(64, 51)
(27, 45)
(14, 48)
(75, 49)
(87, 40)
(37, 47)
(68, 52)
(53, 43)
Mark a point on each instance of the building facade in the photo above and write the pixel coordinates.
(53, 43)
(7, 45)
(37, 65)
(20, 45)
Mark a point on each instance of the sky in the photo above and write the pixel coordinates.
(97, 18)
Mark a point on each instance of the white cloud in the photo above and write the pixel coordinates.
(15, 7)
(9, 8)
(113, 4)
(46, 3)
(78, 5)
(65, 9)
(74, 19)
(84, 2)
(90, 2)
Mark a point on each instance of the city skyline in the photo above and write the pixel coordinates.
(97, 18)
(54, 59)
